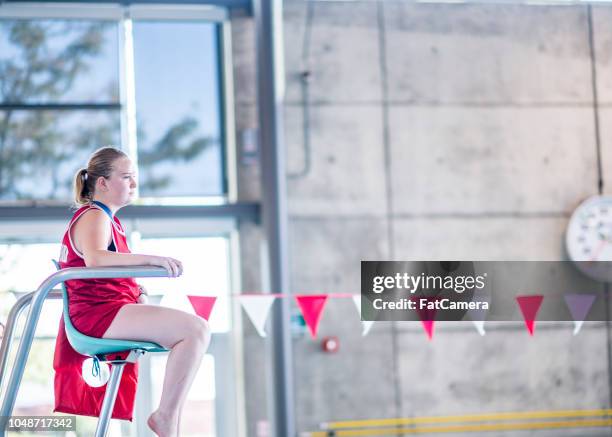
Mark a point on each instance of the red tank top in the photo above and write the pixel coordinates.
(98, 295)
(93, 304)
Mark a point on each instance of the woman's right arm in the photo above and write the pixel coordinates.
(91, 234)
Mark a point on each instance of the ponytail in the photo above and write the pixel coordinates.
(82, 187)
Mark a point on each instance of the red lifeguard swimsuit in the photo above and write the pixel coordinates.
(93, 304)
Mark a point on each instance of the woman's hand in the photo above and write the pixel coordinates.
(143, 298)
(173, 266)
(144, 295)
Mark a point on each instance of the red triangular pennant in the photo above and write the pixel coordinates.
(312, 309)
(202, 305)
(530, 305)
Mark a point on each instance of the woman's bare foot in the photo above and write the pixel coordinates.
(162, 424)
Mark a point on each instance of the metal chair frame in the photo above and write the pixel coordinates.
(91, 346)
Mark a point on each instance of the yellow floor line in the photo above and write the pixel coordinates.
(470, 418)
(469, 428)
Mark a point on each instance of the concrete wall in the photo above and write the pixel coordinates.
(437, 131)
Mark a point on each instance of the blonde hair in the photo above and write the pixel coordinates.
(100, 164)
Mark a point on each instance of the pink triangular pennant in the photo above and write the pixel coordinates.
(429, 328)
(426, 315)
(530, 305)
(202, 305)
(312, 309)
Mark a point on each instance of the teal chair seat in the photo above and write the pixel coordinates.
(96, 347)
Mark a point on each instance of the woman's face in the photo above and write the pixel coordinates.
(121, 186)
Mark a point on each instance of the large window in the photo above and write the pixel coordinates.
(151, 86)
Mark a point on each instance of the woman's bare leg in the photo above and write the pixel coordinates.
(187, 336)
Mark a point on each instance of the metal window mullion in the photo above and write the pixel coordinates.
(244, 211)
(178, 12)
(237, 339)
(58, 106)
(49, 10)
(214, 11)
(226, 102)
(127, 88)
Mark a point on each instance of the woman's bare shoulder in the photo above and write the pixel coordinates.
(92, 226)
(92, 219)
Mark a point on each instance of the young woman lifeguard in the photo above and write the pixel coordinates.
(114, 308)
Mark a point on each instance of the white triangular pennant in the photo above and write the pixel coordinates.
(579, 305)
(577, 326)
(257, 308)
(366, 324)
(478, 315)
(479, 324)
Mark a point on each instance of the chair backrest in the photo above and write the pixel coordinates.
(67, 320)
(71, 331)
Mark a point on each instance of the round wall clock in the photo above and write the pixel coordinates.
(589, 237)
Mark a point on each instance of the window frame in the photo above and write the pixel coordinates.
(35, 220)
